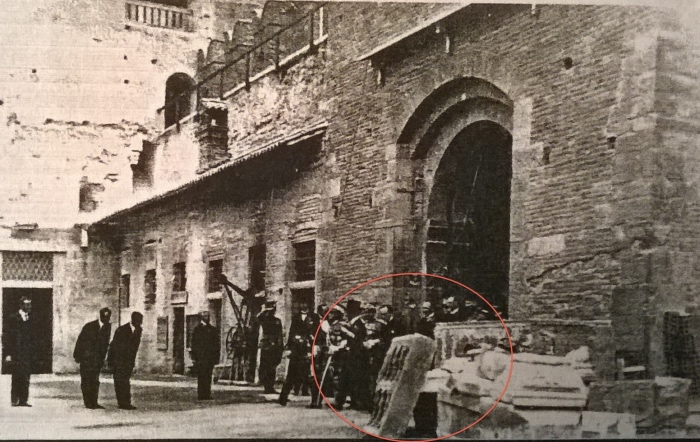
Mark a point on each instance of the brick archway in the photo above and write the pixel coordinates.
(461, 118)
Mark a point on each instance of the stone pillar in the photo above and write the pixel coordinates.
(399, 383)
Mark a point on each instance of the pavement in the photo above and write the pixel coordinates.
(165, 409)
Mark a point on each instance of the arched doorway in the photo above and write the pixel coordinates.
(178, 97)
(468, 225)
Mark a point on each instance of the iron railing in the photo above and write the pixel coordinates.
(240, 64)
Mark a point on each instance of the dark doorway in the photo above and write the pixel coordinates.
(178, 98)
(302, 295)
(179, 340)
(215, 313)
(42, 311)
(469, 214)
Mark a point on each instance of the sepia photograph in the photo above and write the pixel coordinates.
(396, 220)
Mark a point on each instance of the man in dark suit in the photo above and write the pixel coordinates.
(301, 335)
(409, 318)
(20, 352)
(122, 358)
(425, 412)
(90, 351)
(271, 346)
(205, 354)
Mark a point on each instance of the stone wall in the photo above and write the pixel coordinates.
(76, 85)
(673, 270)
(184, 229)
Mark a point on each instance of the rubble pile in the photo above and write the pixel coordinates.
(544, 399)
(551, 397)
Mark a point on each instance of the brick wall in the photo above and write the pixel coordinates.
(567, 112)
(583, 219)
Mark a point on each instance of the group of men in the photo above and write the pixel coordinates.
(348, 350)
(91, 349)
(350, 347)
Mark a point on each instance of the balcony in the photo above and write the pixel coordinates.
(160, 16)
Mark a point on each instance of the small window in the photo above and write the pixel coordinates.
(179, 277)
(256, 256)
(305, 261)
(214, 275)
(176, 3)
(124, 290)
(149, 285)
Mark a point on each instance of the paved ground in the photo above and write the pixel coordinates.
(165, 410)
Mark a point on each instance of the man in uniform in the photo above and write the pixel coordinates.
(205, 354)
(271, 346)
(301, 334)
(393, 325)
(339, 335)
(320, 352)
(122, 358)
(425, 411)
(375, 347)
(358, 358)
(90, 351)
(452, 311)
(19, 352)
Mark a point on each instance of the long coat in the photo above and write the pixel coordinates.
(92, 344)
(271, 342)
(301, 333)
(122, 351)
(19, 344)
(205, 345)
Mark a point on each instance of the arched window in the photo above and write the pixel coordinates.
(178, 98)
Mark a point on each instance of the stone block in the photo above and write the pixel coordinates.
(399, 383)
(657, 404)
(632, 397)
(546, 382)
(546, 245)
(671, 402)
(607, 425)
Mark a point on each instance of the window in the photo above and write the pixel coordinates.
(124, 290)
(305, 260)
(168, 14)
(178, 97)
(214, 275)
(178, 3)
(27, 266)
(179, 277)
(88, 198)
(149, 286)
(256, 256)
(143, 171)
